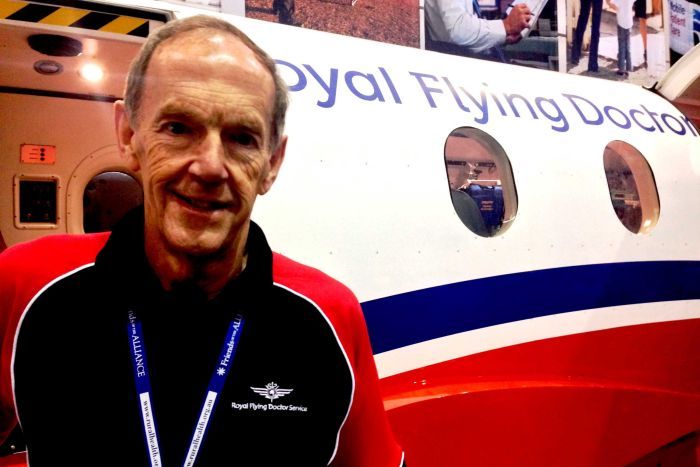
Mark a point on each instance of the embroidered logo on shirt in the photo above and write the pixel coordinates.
(271, 391)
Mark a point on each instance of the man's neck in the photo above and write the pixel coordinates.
(209, 273)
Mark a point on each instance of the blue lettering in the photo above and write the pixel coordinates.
(301, 77)
(138, 356)
(667, 117)
(498, 103)
(608, 108)
(369, 87)
(454, 94)
(426, 89)
(331, 88)
(677, 8)
(350, 81)
(511, 97)
(390, 83)
(653, 119)
(633, 112)
(587, 121)
(555, 118)
(482, 106)
(690, 125)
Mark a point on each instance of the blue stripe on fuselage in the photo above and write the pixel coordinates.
(418, 316)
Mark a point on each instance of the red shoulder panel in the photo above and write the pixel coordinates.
(24, 269)
(335, 299)
(366, 437)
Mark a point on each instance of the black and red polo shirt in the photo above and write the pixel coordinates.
(302, 388)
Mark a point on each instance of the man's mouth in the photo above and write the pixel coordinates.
(202, 204)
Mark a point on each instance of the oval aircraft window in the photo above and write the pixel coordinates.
(107, 197)
(481, 181)
(632, 187)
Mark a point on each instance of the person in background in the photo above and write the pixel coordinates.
(623, 9)
(640, 12)
(581, 24)
(456, 27)
(285, 11)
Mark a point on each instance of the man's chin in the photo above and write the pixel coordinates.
(195, 246)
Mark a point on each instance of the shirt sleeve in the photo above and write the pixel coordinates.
(9, 315)
(24, 269)
(366, 437)
(454, 21)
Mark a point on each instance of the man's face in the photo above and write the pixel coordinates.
(202, 142)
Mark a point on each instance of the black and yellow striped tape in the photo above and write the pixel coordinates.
(85, 18)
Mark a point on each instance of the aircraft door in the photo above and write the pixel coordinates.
(100, 191)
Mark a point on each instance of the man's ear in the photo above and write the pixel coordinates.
(276, 160)
(125, 136)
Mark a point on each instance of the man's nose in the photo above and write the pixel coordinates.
(209, 165)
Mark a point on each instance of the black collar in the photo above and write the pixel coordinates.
(123, 263)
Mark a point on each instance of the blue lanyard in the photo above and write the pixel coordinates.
(143, 388)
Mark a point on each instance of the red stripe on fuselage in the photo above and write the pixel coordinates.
(600, 398)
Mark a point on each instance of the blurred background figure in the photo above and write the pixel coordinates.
(640, 11)
(285, 11)
(586, 6)
(623, 10)
(456, 27)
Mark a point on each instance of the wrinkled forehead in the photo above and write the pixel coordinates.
(218, 46)
(212, 56)
(214, 50)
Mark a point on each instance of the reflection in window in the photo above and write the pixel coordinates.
(107, 197)
(481, 181)
(632, 187)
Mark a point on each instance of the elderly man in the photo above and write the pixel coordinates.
(183, 340)
(456, 26)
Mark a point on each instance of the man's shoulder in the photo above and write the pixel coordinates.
(335, 299)
(56, 248)
(25, 269)
(308, 281)
(42, 260)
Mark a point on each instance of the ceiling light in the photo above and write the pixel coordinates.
(91, 72)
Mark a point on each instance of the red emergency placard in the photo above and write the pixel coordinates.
(37, 154)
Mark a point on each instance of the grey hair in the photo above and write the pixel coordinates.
(137, 72)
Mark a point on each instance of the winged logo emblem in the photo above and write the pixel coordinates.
(271, 391)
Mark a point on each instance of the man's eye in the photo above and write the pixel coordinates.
(244, 139)
(177, 128)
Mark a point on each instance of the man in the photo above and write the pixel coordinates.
(455, 26)
(186, 341)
